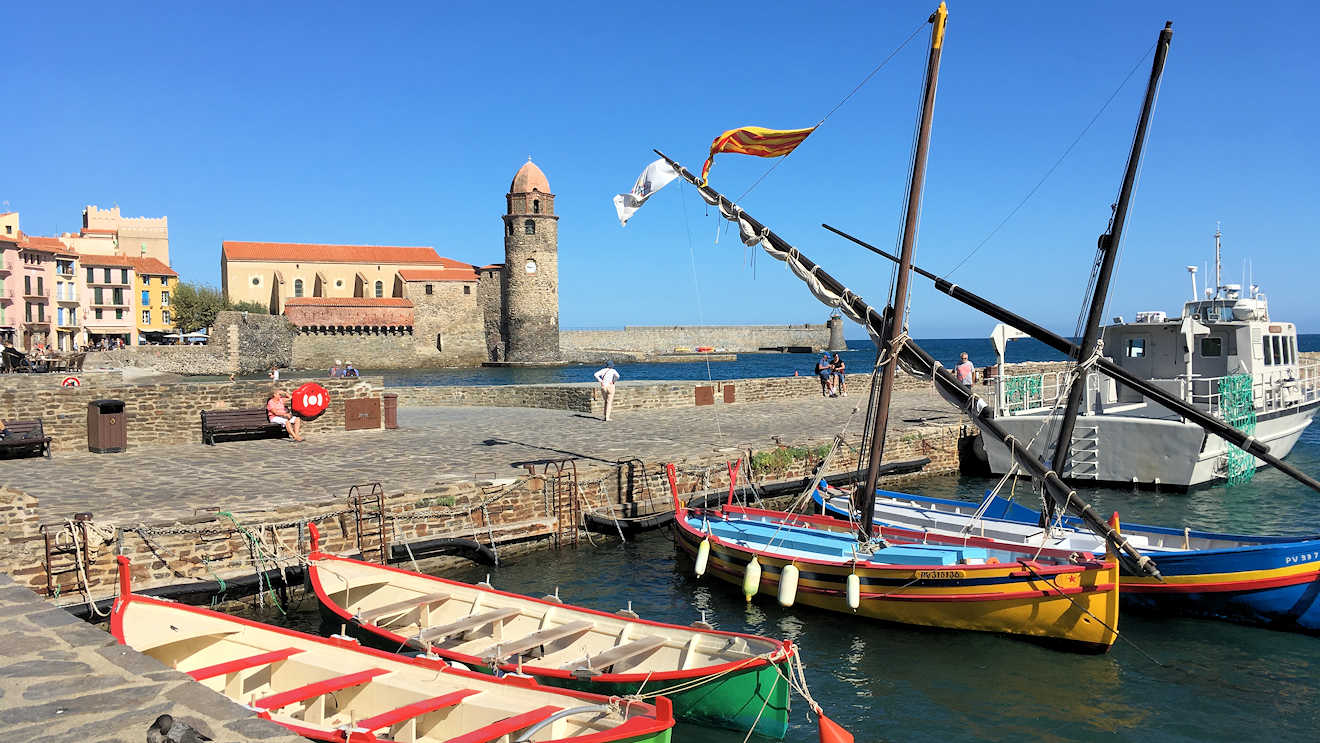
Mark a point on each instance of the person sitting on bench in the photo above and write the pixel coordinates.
(279, 414)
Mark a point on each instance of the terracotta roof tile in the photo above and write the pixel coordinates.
(44, 244)
(347, 302)
(151, 267)
(309, 253)
(467, 273)
(116, 261)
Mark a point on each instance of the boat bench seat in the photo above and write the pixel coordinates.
(416, 709)
(399, 607)
(240, 664)
(467, 623)
(318, 688)
(517, 646)
(508, 725)
(616, 655)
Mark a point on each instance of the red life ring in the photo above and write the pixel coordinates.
(310, 400)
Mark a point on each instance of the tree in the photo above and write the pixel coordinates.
(248, 305)
(195, 306)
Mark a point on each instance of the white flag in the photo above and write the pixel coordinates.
(656, 176)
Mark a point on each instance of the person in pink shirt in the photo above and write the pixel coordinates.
(965, 372)
(279, 414)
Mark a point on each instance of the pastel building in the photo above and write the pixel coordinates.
(11, 281)
(155, 282)
(107, 232)
(106, 284)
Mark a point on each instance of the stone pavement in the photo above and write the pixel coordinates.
(65, 681)
(433, 445)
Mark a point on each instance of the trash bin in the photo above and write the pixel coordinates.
(106, 432)
(391, 404)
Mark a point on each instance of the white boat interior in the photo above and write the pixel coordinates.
(305, 681)
(449, 616)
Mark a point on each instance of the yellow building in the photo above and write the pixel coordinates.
(271, 273)
(155, 282)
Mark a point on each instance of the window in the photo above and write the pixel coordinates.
(339, 283)
(98, 314)
(146, 317)
(1136, 348)
(41, 286)
(467, 289)
(508, 228)
(27, 285)
(164, 299)
(536, 206)
(119, 314)
(380, 288)
(529, 227)
(59, 315)
(1269, 354)
(98, 296)
(165, 316)
(146, 297)
(430, 290)
(91, 275)
(27, 311)
(164, 281)
(1277, 341)
(41, 313)
(123, 275)
(256, 281)
(118, 296)
(297, 287)
(439, 342)
(146, 281)
(1212, 347)
(105, 274)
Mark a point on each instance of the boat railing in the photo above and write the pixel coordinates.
(1028, 393)
(1275, 390)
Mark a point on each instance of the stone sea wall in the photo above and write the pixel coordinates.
(154, 413)
(664, 339)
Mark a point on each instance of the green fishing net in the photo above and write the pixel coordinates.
(1023, 392)
(1239, 411)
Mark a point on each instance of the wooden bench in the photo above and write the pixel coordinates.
(466, 624)
(518, 646)
(400, 607)
(618, 655)
(236, 422)
(25, 437)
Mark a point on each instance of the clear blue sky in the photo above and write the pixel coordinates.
(404, 123)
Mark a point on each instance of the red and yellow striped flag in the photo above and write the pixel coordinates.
(755, 140)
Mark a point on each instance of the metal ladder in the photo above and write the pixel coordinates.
(561, 483)
(1084, 462)
(370, 524)
(61, 558)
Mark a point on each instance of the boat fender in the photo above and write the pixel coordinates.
(788, 585)
(752, 579)
(453, 664)
(854, 591)
(703, 556)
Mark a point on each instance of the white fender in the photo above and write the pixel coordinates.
(854, 591)
(788, 584)
(752, 579)
(703, 556)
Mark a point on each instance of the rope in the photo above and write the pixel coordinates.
(1102, 622)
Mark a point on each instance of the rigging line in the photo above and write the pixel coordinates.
(839, 105)
(701, 317)
(1056, 164)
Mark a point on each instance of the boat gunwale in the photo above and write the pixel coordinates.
(1044, 570)
(654, 718)
(784, 649)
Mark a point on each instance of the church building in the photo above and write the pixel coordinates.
(398, 306)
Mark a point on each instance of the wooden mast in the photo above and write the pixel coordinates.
(877, 448)
(1108, 251)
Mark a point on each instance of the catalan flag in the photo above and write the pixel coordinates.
(755, 140)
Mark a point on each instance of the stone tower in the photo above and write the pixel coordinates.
(531, 269)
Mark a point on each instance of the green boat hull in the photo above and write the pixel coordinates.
(738, 701)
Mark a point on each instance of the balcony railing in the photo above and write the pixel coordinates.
(36, 297)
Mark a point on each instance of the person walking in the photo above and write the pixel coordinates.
(607, 376)
(965, 372)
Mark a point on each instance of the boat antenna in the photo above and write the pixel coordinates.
(1090, 348)
(1192, 270)
(1218, 264)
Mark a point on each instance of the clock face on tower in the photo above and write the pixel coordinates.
(531, 266)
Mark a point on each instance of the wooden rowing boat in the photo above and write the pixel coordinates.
(336, 690)
(1072, 603)
(1269, 581)
(715, 678)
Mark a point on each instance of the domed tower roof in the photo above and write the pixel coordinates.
(529, 178)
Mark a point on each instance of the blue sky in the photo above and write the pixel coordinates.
(397, 123)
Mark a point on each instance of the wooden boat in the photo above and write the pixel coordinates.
(1270, 581)
(336, 690)
(816, 560)
(717, 678)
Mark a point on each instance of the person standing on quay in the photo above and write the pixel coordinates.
(607, 377)
(965, 371)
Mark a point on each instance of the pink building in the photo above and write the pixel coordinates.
(105, 286)
(11, 281)
(36, 258)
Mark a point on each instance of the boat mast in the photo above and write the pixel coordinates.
(1108, 251)
(897, 320)
(1218, 265)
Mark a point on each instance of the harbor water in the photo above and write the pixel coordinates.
(1168, 679)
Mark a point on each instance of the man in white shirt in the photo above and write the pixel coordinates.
(607, 377)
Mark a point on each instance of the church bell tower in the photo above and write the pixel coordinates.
(531, 269)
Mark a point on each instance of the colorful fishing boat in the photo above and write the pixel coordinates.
(1270, 581)
(715, 678)
(336, 690)
(1069, 600)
